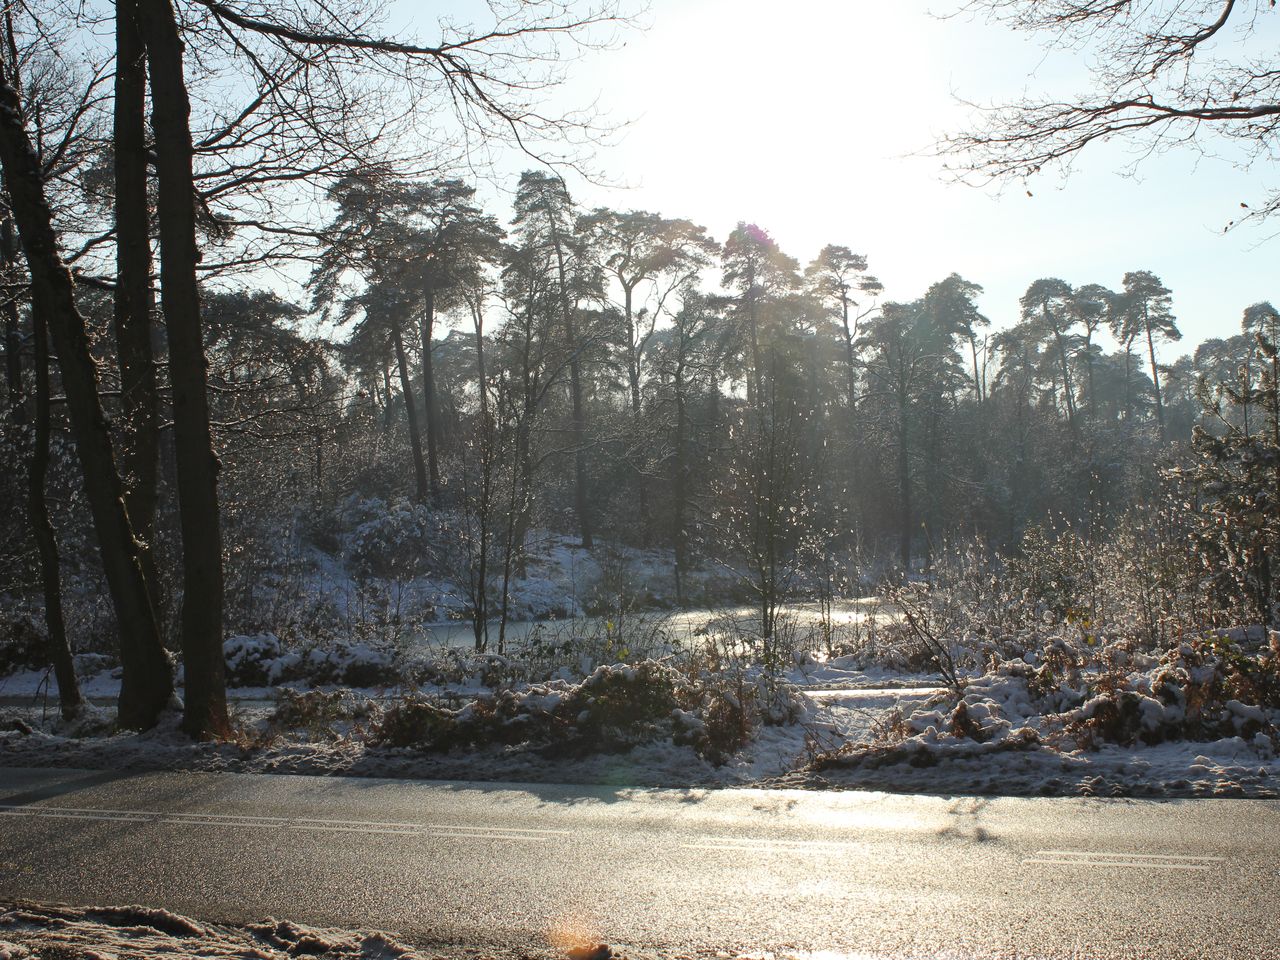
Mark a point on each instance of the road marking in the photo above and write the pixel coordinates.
(1112, 858)
(426, 830)
(1129, 856)
(79, 815)
(761, 845)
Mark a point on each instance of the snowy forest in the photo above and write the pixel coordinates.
(350, 399)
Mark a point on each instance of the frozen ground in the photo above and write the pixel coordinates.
(30, 931)
(859, 729)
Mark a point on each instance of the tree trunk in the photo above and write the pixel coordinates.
(429, 404)
(1155, 380)
(633, 378)
(12, 335)
(581, 500)
(1128, 380)
(386, 399)
(904, 486)
(197, 464)
(681, 484)
(1089, 377)
(977, 379)
(148, 681)
(140, 449)
(59, 650)
(411, 415)
(851, 363)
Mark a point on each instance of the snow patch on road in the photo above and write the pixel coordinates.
(29, 931)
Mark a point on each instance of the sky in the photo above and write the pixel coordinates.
(815, 119)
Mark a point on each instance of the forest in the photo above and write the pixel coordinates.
(350, 371)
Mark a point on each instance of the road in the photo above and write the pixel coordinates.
(507, 867)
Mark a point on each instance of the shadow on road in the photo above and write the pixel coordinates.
(61, 787)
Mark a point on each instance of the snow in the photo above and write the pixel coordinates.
(1019, 729)
(29, 931)
(1051, 720)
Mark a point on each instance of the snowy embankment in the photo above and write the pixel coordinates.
(30, 931)
(1066, 718)
(1201, 720)
(465, 718)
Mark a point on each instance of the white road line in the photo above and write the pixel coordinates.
(771, 846)
(1131, 864)
(75, 815)
(433, 830)
(1127, 856)
(469, 828)
(1130, 861)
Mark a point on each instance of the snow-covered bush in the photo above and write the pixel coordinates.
(22, 641)
(612, 710)
(391, 541)
(318, 711)
(1074, 695)
(264, 660)
(1203, 689)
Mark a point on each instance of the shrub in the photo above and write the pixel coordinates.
(317, 711)
(613, 710)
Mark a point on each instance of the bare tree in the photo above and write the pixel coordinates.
(1165, 73)
(147, 683)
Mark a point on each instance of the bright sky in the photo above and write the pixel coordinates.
(813, 118)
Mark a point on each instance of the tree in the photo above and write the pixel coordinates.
(545, 217)
(954, 310)
(41, 99)
(1046, 308)
(639, 249)
(371, 237)
(1092, 307)
(912, 363)
(147, 683)
(1164, 73)
(205, 703)
(1233, 489)
(1148, 313)
(64, 671)
(134, 299)
(450, 237)
(834, 277)
(760, 273)
(1262, 319)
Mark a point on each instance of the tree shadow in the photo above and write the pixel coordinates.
(966, 826)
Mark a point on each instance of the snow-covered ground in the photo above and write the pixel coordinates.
(855, 728)
(30, 931)
(854, 709)
(1167, 726)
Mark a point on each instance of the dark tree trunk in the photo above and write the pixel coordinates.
(59, 649)
(139, 455)
(850, 359)
(1128, 380)
(680, 487)
(581, 500)
(1089, 379)
(386, 399)
(148, 682)
(977, 379)
(1155, 380)
(482, 377)
(429, 404)
(904, 486)
(197, 464)
(633, 376)
(12, 335)
(421, 485)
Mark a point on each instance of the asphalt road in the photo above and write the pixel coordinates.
(506, 868)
